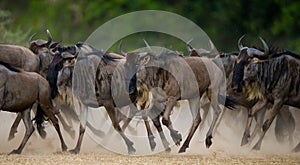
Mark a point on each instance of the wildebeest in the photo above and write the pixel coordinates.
(284, 117)
(172, 77)
(92, 76)
(35, 59)
(64, 99)
(200, 52)
(64, 83)
(24, 58)
(16, 98)
(110, 91)
(273, 78)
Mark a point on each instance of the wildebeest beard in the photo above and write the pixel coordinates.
(238, 75)
(132, 88)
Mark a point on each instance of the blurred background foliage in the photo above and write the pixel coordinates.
(277, 21)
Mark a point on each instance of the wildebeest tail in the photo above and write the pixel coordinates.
(39, 120)
(227, 101)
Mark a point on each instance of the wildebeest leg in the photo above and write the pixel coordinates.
(25, 115)
(14, 127)
(95, 130)
(48, 111)
(66, 127)
(132, 112)
(149, 132)
(216, 115)
(195, 109)
(83, 120)
(285, 125)
(167, 122)
(205, 109)
(274, 111)
(110, 109)
(259, 118)
(157, 124)
(251, 112)
(247, 129)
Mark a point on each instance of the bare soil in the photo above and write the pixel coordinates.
(226, 148)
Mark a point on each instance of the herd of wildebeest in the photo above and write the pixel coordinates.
(47, 77)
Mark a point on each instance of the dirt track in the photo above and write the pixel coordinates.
(96, 158)
(225, 149)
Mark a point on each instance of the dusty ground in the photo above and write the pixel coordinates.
(225, 148)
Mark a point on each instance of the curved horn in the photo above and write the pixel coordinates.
(240, 45)
(120, 49)
(266, 48)
(48, 44)
(49, 35)
(211, 45)
(30, 38)
(146, 43)
(188, 46)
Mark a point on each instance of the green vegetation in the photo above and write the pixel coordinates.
(224, 21)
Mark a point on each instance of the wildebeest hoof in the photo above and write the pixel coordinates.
(208, 141)
(15, 152)
(244, 140)
(182, 149)
(41, 131)
(131, 151)
(256, 147)
(168, 149)
(12, 135)
(177, 138)
(74, 151)
(297, 148)
(64, 147)
(152, 145)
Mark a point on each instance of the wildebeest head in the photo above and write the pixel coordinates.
(244, 58)
(38, 46)
(61, 54)
(228, 61)
(199, 52)
(133, 62)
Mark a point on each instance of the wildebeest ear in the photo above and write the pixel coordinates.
(146, 59)
(53, 45)
(67, 55)
(255, 60)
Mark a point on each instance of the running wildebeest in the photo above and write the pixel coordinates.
(21, 57)
(273, 78)
(284, 117)
(158, 73)
(92, 73)
(64, 84)
(35, 59)
(16, 98)
(105, 67)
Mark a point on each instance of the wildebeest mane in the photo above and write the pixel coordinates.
(102, 54)
(277, 72)
(275, 52)
(165, 54)
(222, 55)
(10, 67)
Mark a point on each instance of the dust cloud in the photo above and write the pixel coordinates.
(226, 139)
